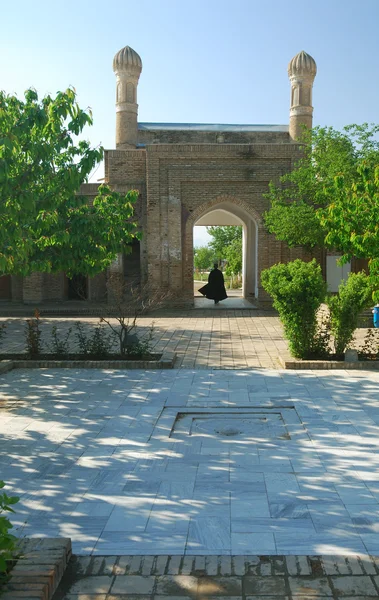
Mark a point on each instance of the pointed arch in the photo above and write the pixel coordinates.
(205, 208)
(252, 226)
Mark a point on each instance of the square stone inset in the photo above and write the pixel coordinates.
(229, 425)
(258, 425)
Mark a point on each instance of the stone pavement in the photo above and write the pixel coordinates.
(190, 462)
(211, 338)
(237, 577)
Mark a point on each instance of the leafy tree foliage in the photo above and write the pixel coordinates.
(227, 245)
(204, 257)
(307, 206)
(233, 255)
(223, 237)
(352, 218)
(44, 224)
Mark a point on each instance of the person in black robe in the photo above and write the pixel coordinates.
(215, 288)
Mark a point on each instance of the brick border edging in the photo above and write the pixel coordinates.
(223, 576)
(216, 565)
(38, 572)
(166, 361)
(315, 365)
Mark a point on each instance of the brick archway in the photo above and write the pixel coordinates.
(253, 230)
(227, 200)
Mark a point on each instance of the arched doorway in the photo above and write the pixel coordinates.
(76, 287)
(5, 287)
(222, 218)
(224, 211)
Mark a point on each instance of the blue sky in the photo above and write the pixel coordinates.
(217, 61)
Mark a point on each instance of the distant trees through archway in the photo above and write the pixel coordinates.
(222, 242)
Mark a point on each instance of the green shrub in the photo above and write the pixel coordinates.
(7, 541)
(101, 342)
(297, 289)
(33, 336)
(353, 296)
(60, 346)
(82, 338)
(97, 344)
(141, 347)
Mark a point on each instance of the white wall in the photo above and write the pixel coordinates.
(334, 273)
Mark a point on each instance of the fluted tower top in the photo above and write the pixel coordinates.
(127, 59)
(301, 71)
(302, 64)
(127, 65)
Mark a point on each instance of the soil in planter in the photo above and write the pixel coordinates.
(341, 357)
(368, 357)
(86, 357)
(325, 357)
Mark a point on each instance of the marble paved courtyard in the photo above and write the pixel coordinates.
(196, 462)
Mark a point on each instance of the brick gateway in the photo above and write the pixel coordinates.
(188, 174)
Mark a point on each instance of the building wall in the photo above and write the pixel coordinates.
(187, 180)
(178, 183)
(192, 136)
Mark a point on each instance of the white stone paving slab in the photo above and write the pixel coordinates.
(196, 462)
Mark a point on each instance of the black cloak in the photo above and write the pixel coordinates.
(215, 288)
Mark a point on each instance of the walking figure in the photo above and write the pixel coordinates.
(215, 288)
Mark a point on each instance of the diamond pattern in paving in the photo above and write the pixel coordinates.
(190, 462)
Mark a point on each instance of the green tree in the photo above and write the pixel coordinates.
(352, 218)
(300, 203)
(203, 258)
(45, 225)
(223, 237)
(233, 255)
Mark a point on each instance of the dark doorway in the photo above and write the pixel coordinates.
(77, 287)
(132, 264)
(5, 287)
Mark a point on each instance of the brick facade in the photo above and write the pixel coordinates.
(181, 182)
(183, 172)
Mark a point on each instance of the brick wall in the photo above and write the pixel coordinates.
(178, 182)
(186, 181)
(169, 136)
(17, 285)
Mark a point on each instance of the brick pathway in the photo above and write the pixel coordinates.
(75, 443)
(247, 577)
(202, 339)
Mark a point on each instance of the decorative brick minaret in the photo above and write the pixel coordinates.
(127, 66)
(301, 71)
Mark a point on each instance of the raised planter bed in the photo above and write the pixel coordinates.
(157, 361)
(38, 571)
(314, 365)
